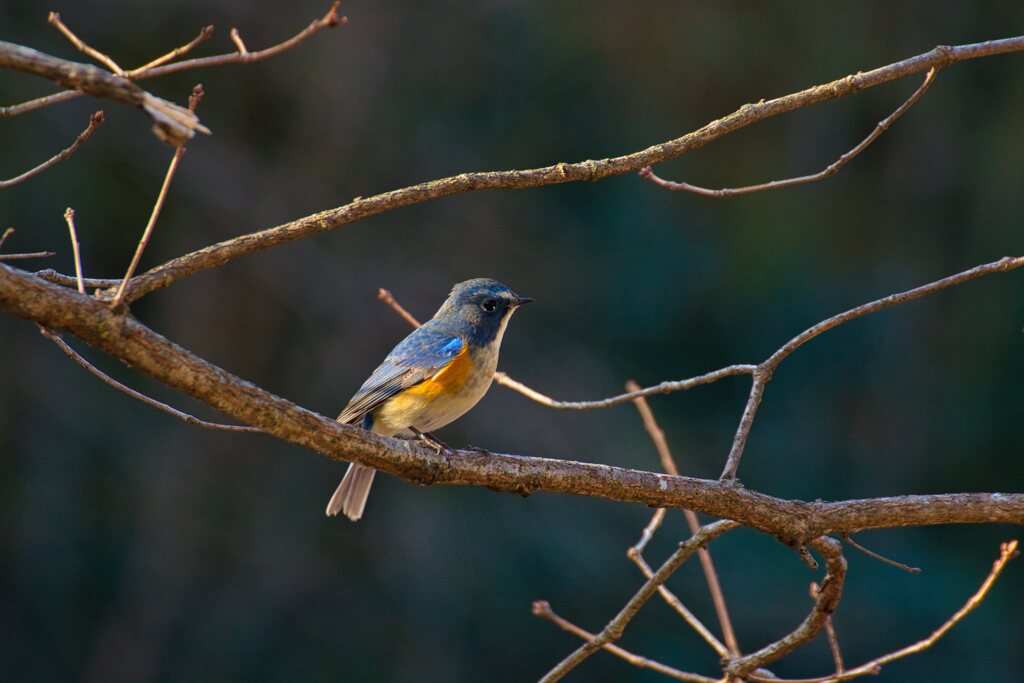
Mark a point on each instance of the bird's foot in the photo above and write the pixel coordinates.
(440, 447)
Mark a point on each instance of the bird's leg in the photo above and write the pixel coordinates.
(432, 441)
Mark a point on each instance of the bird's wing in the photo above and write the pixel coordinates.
(417, 358)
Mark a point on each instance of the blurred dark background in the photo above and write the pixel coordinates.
(136, 548)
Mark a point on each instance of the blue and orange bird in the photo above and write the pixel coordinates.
(432, 378)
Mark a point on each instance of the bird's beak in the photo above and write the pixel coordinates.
(520, 300)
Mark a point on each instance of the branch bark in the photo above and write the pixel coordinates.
(218, 254)
(92, 321)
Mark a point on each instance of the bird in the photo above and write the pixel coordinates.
(430, 379)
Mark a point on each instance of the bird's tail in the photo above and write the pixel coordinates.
(350, 496)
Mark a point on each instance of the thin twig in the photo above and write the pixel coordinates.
(764, 371)
(69, 217)
(739, 440)
(664, 388)
(193, 102)
(830, 632)
(144, 240)
(1007, 552)
(613, 630)
(196, 96)
(668, 463)
(39, 103)
(20, 257)
(204, 34)
(190, 419)
(805, 555)
(656, 434)
(236, 38)
(1007, 263)
(648, 533)
(50, 275)
(881, 558)
(388, 298)
(648, 173)
(541, 608)
(673, 601)
(825, 603)
(23, 256)
(54, 19)
(328, 20)
(95, 120)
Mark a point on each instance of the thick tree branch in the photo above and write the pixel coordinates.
(92, 321)
(218, 254)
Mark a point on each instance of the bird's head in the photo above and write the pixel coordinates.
(480, 308)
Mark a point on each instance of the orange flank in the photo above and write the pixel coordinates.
(448, 381)
(438, 400)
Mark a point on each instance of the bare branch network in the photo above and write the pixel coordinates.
(102, 320)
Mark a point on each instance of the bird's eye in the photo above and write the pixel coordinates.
(489, 305)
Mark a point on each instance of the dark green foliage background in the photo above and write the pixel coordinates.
(136, 548)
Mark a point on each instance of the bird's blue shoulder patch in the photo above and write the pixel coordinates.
(452, 348)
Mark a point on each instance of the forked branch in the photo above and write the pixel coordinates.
(765, 370)
(542, 609)
(218, 254)
(614, 629)
(1007, 552)
(827, 172)
(175, 124)
(172, 123)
